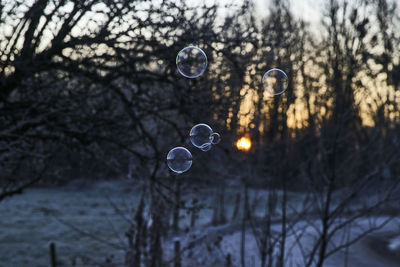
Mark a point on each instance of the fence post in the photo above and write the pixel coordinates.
(53, 261)
(177, 252)
(228, 260)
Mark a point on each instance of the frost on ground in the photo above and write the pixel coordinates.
(88, 231)
(28, 224)
(219, 242)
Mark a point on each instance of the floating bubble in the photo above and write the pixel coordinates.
(191, 62)
(206, 147)
(179, 159)
(215, 138)
(275, 82)
(200, 135)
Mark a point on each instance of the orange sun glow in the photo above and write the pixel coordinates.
(244, 144)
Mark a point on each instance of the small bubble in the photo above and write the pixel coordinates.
(275, 82)
(206, 147)
(200, 135)
(179, 159)
(191, 62)
(215, 138)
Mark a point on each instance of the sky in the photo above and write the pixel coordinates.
(307, 9)
(310, 10)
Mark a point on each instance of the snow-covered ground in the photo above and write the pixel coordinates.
(217, 242)
(29, 222)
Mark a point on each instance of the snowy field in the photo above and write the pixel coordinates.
(88, 231)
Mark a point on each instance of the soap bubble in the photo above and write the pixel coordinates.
(179, 159)
(200, 135)
(275, 82)
(191, 62)
(206, 147)
(215, 138)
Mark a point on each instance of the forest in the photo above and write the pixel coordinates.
(91, 102)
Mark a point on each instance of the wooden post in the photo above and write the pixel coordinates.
(177, 252)
(228, 260)
(53, 261)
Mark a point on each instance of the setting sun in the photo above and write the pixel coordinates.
(244, 144)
